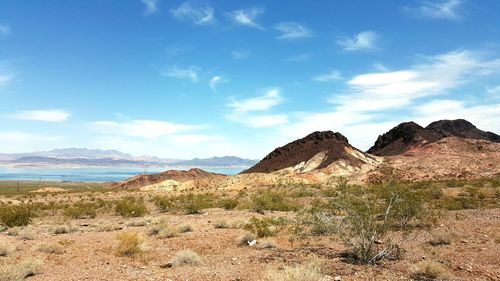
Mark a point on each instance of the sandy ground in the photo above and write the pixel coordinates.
(88, 254)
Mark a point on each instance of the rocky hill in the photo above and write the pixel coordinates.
(410, 135)
(315, 151)
(171, 175)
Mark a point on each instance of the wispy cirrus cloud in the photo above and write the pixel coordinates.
(197, 12)
(293, 30)
(241, 54)
(333, 75)
(151, 6)
(259, 120)
(52, 115)
(363, 41)
(5, 79)
(148, 129)
(4, 30)
(270, 98)
(445, 9)
(216, 80)
(190, 72)
(246, 17)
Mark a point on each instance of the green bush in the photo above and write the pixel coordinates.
(273, 201)
(131, 207)
(81, 210)
(19, 215)
(265, 227)
(229, 203)
(194, 203)
(163, 203)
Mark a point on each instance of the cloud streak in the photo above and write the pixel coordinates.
(151, 6)
(198, 13)
(447, 9)
(363, 41)
(42, 115)
(292, 30)
(333, 75)
(148, 129)
(263, 102)
(246, 17)
(190, 73)
(216, 80)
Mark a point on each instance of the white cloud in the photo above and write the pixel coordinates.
(4, 30)
(17, 142)
(199, 13)
(190, 72)
(366, 40)
(240, 54)
(215, 81)
(292, 30)
(151, 6)
(259, 121)
(148, 129)
(246, 17)
(5, 79)
(42, 115)
(446, 9)
(331, 76)
(493, 92)
(261, 103)
(436, 75)
(484, 116)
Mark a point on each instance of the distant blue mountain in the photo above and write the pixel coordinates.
(225, 161)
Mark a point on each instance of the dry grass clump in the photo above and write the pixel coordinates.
(310, 271)
(186, 257)
(163, 231)
(245, 238)
(441, 238)
(429, 270)
(49, 248)
(6, 249)
(20, 270)
(221, 224)
(129, 243)
(185, 228)
(23, 234)
(62, 229)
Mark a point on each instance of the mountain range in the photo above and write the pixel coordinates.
(98, 157)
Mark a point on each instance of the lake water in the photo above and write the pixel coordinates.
(90, 174)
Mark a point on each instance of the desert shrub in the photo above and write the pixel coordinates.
(6, 249)
(185, 228)
(26, 234)
(62, 229)
(194, 203)
(458, 203)
(19, 271)
(185, 257)
(163, 231)
(81, 210)
(272, 201)
(221, 224)
(228, 203)
(441, 238)
(265, 227)
(19, 215)
(429, 270)
(50, 248)
(163, 203)
(435, 192)
(364, 222)
(309, 271)
(317, 220)
(129, 243)
(131, 207)
(245, 238)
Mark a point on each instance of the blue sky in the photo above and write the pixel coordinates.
(189, 79)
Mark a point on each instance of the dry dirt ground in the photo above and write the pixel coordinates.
(88, 253)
